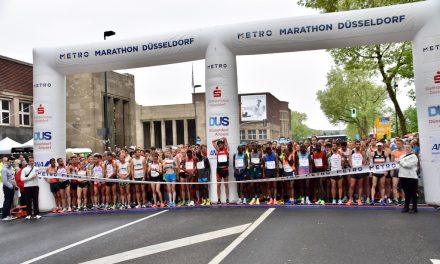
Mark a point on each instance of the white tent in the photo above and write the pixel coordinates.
(6, 144)
(29, 143)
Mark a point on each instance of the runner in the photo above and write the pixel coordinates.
(139, 169)
(73, 168)
(319, 164)
(98, 186)
(182, 177)
(170, 167)
(396, 155)
(240, 164)
(256, 172)
(64, 186)
(123, 169)
(190, 170)
(270, 171)
(345, 183)
(222, 149)
(83, 185)
(357, 159)
(336, 162)
(54, 186)
(289, 171)
(155, 171)
(111, 187)
(203, 173)
(302, 161)
(379, 157)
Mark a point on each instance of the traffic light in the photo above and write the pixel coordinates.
(353, 113)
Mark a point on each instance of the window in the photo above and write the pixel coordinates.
(252, 134)
(242, 134)
(5, 112)
(25, 114)
(262, 134)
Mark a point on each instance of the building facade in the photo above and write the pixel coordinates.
(85, 104)
(166, 125)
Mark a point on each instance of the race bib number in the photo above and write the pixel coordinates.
(189, 165)
(82, 173)
(270, 165)
(154, 173)
(287, 168)
(356, 162)
(336, 164)
(222, 158)
(303, 162)
(255, 160)
(379, 160)
(318, 162)
(239, 163)
(200, 165)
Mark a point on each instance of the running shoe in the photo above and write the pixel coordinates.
(360, 202)
(257, 202)
(368, 201)
(239, 201)
(281, 202)
(69, 209)
(154, 206)
(93, 208)
(396, 202)
(37, 217)
(219, 202)
(270, 201)
(114, 207)
(252, 202)
(345, 199)
(27, 217)
(203, 202)
(149, 204)
(340, 202)
(389, 201)
(372, 202)
(208, 202)
(244, 201)
(290, 202)
(308, 200)
(227, 201)
(382, 202)
(191, 203)
(138, 206)
(162, 205)
(188, 202)
(349, 202)
(334, 201)
(143, 206)
(302, 201)
(322, 202)
(275, 202)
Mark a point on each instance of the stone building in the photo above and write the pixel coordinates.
(85, 100)
(165, 125)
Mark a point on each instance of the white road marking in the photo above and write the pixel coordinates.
(222, 255)
(91, 238)
(435, 261)
(178, 243)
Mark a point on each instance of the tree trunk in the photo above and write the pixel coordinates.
(401, 117)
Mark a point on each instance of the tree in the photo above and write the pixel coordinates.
(389, 61)
(348, 90)
(299, 129)
(411, 119)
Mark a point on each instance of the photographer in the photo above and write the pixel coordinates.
(31, 189)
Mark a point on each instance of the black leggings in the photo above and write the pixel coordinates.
(31, 196)
(410, 188)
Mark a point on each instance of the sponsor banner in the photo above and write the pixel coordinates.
(433, 112)
(432, 83)
(43, 140)
(435, 149)
(42, 113)
(253, 108)
(383, 127)
(349, 171)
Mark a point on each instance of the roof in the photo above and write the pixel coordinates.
(15, 76)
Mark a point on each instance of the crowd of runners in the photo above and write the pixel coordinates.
(252, 161)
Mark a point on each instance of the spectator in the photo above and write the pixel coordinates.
(408, 178)
(31, 189)
(9, 186)
(20, 184)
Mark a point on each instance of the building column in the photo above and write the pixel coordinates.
(163, 132)
(174, 133)
(185, 131)
(152, 141)
(111, 123)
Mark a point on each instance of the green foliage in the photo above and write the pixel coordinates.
(347, 90)
(299, 129)
(411, 119)
(389, 61)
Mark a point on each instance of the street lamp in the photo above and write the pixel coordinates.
(395, 94)
(106, 34)
(195, 110)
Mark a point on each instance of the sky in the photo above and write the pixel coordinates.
(292, 77)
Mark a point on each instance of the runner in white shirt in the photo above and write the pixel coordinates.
(139, 169)
(357, 159)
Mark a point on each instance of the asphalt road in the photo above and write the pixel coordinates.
(287, 235)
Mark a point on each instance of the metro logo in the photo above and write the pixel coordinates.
(40, 110)
(437, 78)
(217, 92)
(42, 135)
(219, 121)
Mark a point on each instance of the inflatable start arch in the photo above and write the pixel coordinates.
(418, 22)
